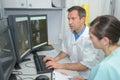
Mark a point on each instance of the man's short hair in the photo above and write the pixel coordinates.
(81, 11)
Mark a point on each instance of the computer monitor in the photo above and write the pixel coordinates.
(7, 53)
(39, 33)
(19, 25)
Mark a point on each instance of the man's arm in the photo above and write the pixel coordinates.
(61, 55)
(74, 66)
(69, 66)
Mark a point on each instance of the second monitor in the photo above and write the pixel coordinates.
(39, 32)
(19, 25)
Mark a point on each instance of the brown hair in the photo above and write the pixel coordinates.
(81, 11)
(106, 26)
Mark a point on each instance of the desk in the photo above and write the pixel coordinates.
(28, 70)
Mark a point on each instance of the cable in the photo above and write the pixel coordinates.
(17, 72)
(29, 66)
(19, 78)
(28, 78)
(20, 73)
(29, 74)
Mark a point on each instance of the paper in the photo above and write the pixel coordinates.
(60, 76)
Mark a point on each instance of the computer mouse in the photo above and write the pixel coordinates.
(42, 77)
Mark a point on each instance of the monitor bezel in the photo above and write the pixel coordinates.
(12, 24)
(6, 76)
(37, 47)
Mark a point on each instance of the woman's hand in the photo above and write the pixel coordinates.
(78, 77)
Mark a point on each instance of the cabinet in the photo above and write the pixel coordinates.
(14, 3)
(27, 3)
(39, 4)
(34, 3)
(58, 3)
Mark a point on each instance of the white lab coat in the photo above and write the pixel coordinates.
(81, 50)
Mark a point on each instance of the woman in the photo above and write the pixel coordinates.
(105, 34)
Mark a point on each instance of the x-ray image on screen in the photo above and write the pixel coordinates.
(39, 30)
(19, 25)
(22, 34)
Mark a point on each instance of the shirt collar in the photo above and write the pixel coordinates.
(77, 35)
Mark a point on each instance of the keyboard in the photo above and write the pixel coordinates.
(40, 65)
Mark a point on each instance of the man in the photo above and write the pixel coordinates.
(76, 45)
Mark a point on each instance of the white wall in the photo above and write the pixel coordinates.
(117, 9)
(97, 8)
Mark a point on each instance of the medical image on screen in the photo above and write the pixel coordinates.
(22, 34)
(39, 30)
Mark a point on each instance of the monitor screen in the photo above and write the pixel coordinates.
(19, 25)
(39, 36)
(7, 54)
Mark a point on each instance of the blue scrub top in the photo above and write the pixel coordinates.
(108, 69)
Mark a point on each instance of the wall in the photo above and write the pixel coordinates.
(57, 19)
(54, 20)
(96, 8)
(116, 10)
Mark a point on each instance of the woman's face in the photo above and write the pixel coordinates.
(96, 42)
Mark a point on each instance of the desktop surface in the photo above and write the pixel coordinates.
(28, 69)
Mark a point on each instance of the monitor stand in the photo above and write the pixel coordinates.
(17, 66)
(13, 77)
(46, 47)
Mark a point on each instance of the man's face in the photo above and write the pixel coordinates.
(75, 22)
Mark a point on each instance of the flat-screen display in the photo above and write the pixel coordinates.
(19, 25)
(22, 35)
(39, 35)
(7, 54)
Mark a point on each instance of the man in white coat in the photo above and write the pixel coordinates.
(76, 45)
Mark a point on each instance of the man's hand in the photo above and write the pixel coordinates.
(53, 64)
(47, 58)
